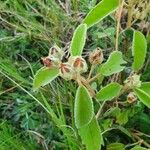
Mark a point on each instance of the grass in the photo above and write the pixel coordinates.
(28, 29)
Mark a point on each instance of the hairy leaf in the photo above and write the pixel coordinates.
(122, 117)
(100, 11)
(113, 65)
(138, 148)
(116, 146)
(109, 92)
(145, 86)
(91, 135)
(143, 96)
(44, 76)
(78, 40)
(139, 50)
(84, 110)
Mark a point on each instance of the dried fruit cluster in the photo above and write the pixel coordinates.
(75, 65)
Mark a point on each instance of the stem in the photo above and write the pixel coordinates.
(118, 23)
(141, 140)
(94, 78)
(100, 110)
(129, 22)
(101, 107)
(87, 85)
(91, 71)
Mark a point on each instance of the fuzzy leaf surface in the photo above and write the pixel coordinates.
(78, 40)
(84, 110)
(100, 11)
(91, 135)
(44, 76)
(139, 50)
(116, 146)
(109, 92)
(114, 64)
(143, 96)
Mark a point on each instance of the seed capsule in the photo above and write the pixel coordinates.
(47, 62)
(56, 52)
(133, 81)
(78, 64)
(131, 98)
(66, 71)
(96, 57)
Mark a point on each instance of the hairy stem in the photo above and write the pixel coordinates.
(95, 77)
(141, 140)
(87, 85)
(129, 21)
(91, 71)
(100, 110)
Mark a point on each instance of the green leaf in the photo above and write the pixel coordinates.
(44, 76)
(109, 92)
(113, 65)
(78, 40)
(143, 96)
(84, 110)
(100, 11)
(122, 117)
(91, 135)
(139, 148)
(139, 50)
(106, 33)
(123, 130)
(116, 146)
(145, 86)
(106, 124)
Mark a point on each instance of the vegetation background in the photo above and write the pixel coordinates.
(28, 28)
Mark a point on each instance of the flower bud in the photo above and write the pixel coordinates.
(133, 81)
(47, 62)
(96, 57)
(56, 52)
(78, 64)
(131, 98)
(66, 71)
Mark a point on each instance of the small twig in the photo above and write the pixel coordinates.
(91, 71)
(32, 72)
(100, 110)
(67, 6)
(141, 133)
(118, 23)
(8, 90)
(94, 78)
(147, 63)
(141, 140)
(61, 5)
(129, 21)
(40, 138)
(131, 145)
